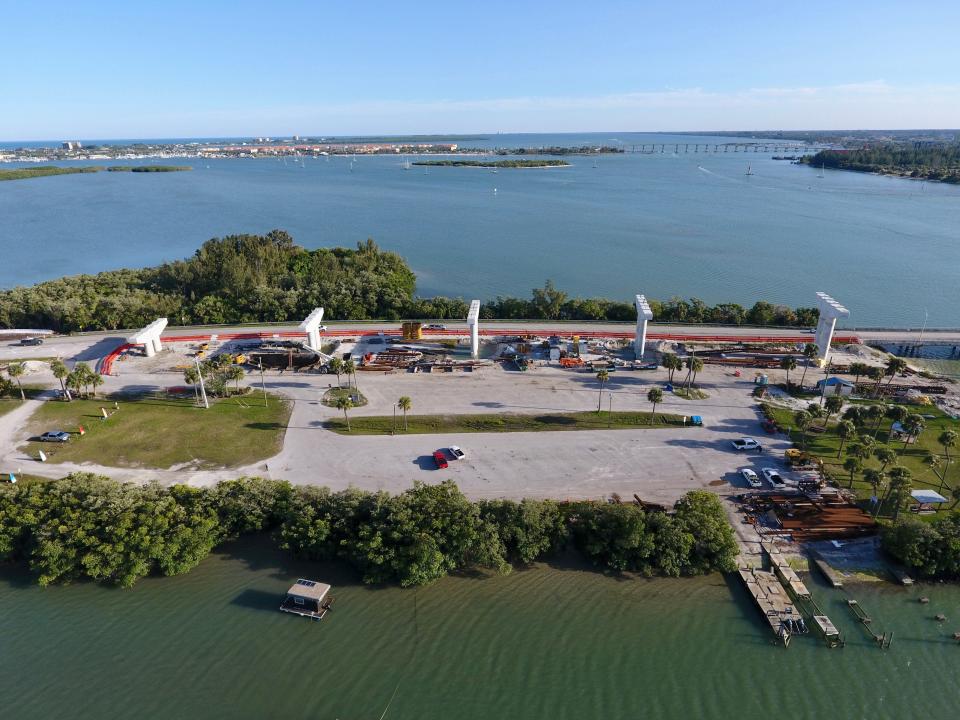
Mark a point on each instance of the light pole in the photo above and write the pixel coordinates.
(203, 390)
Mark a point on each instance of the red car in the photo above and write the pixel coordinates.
(440, 459)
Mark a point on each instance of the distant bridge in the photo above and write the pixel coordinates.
(652, 148)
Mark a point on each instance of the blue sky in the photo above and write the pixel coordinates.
(118, 68)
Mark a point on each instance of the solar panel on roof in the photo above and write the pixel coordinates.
(306, 583)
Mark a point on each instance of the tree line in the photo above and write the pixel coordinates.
(267, 278)
(90, 527)
(937, 162)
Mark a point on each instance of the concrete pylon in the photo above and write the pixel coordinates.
(644, 315)
(830, 312)
(311, 328)
(149, 337)
(473, 322)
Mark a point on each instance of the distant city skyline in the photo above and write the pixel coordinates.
(239, 69)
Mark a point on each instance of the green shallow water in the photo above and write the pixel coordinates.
(550, 642)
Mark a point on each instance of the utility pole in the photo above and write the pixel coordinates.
(609, 409)
(203, 390)
(262, 385)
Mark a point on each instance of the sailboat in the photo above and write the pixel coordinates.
(406, 165)
(820, 175)
(749, 170)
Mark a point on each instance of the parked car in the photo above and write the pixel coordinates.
(751, 477)
(744, 444)
(456, 452)
(55, 436)
(440, 459)
(435, 326)
(774, 478)
(31, 341)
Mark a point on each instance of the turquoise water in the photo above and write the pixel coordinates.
(550, 642)
(689, 224)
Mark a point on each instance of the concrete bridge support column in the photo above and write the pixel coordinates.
(473, 322)
(644, 315)
(830, 312)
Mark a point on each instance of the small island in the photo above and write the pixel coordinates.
(148, 168)
(494, 163)
(48, 170)
(43, 171)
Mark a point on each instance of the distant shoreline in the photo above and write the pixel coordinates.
(495, 164)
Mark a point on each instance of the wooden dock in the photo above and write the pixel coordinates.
(771, 598)
(832, 576)
(788, 576)
(802, 596)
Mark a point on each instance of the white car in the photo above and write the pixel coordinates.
(456, 453)
(751, 477)
(774, 478)
(435, 327)
(744, 444)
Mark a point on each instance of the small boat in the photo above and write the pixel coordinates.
(749, 170)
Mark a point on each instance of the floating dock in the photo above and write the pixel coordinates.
(802, 596)
(771, 598)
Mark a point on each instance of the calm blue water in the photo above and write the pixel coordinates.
(663, 224)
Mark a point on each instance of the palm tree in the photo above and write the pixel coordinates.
(802, 419)
(947, 439)
(694, 365)
(345, 403)
(404, 403)
(857, 369)
(873, 414)
(895, 366)
(854, 414)
(900, 487)
(191, 376)
(885, 455)
(867, 443)
(16, 370)
(852, 465)
(809, 353)
(896, 414)
(349, 368)
(74, 380)
(875, 479)
(672, 363)
(844, 429)
(876, 374)
(60, 372)
(655, 396)
(602, 376)
(96, 380)
(831, 407)
(912, 427)
(336, 367)
(955, 494)
(236, 373)
(815, 410)
(788, 363)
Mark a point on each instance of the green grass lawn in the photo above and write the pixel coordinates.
(492, 422)
(330, 396)
(13, 401)
(163, 432)
(825, 445)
